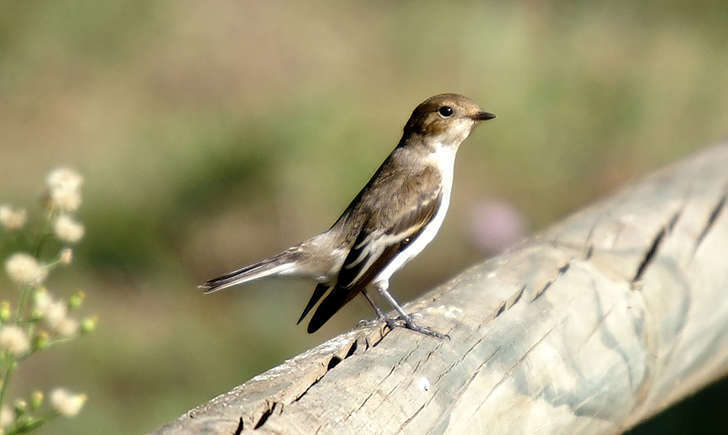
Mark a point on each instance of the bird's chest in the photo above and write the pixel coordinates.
(446, 163)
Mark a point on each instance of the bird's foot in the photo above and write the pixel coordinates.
(407, 323)
(364, 323)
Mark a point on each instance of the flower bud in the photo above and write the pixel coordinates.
(20, 406)
(40, 341)
(88, 324)
(36, 399)
(26, 423)
(4, 311)
(76, 300)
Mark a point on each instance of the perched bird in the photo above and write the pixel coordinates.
(388, 223)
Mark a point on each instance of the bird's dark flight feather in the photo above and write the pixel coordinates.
(381, 237)
(318, 293)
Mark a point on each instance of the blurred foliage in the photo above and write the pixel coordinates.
(212, 134)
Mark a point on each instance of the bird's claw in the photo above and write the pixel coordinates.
(407, 323)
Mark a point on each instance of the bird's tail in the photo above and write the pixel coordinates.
(281, 264)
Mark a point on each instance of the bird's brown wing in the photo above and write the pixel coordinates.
(398, 219)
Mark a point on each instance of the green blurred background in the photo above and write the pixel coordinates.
(211, 134)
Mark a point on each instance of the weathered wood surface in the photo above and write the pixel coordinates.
(588, 327)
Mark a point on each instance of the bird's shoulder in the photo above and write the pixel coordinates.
(404, 184)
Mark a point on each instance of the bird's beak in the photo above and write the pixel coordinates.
(482, 116)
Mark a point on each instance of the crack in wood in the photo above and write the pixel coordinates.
(240, 427)
(397, 385)
(427, 357)
(509, 373)
(504, 306)
(673, 220)
(597, 326)
(461, 359)
(411, 417)
(561, 272)
(399, 363)
(458, 361)
(501, 309)
(714, 214)
(565, 268)
(335, 359)
(386, 397)
(333, 362)
(518, 296)
(478, 369)
(452, 402)
(436, 390)
(264, 417)
(649, 255)
(369, 396)
(460, 390)
(542, 291)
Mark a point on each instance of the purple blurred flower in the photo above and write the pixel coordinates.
(494, 225)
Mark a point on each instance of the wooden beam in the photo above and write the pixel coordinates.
(591, 326)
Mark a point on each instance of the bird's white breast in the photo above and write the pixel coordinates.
(444, 159)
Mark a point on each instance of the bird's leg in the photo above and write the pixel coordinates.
(380, 314)
(381, 317)
(408, 323)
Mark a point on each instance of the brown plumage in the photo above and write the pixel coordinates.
(389, 222)
(395, 211)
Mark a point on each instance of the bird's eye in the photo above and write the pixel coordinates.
(445, 111)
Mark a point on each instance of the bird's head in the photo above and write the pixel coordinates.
(446, 119)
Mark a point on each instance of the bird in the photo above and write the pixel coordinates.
(389, 222)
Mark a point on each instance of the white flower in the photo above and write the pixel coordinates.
(64, 187)
(67, 327)
(24, 269)
(14, 340)
(66, 403)
(67, 229)
(7, 416)
(12, 219)
(52, 311)
(66, 256)
(55, 313)
(43, 300)
(64, 178)
(66, 199)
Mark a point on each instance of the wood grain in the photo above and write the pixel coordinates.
(591, 326)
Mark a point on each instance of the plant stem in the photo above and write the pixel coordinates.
(6, 379)
(21, 304)
(45, 233)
